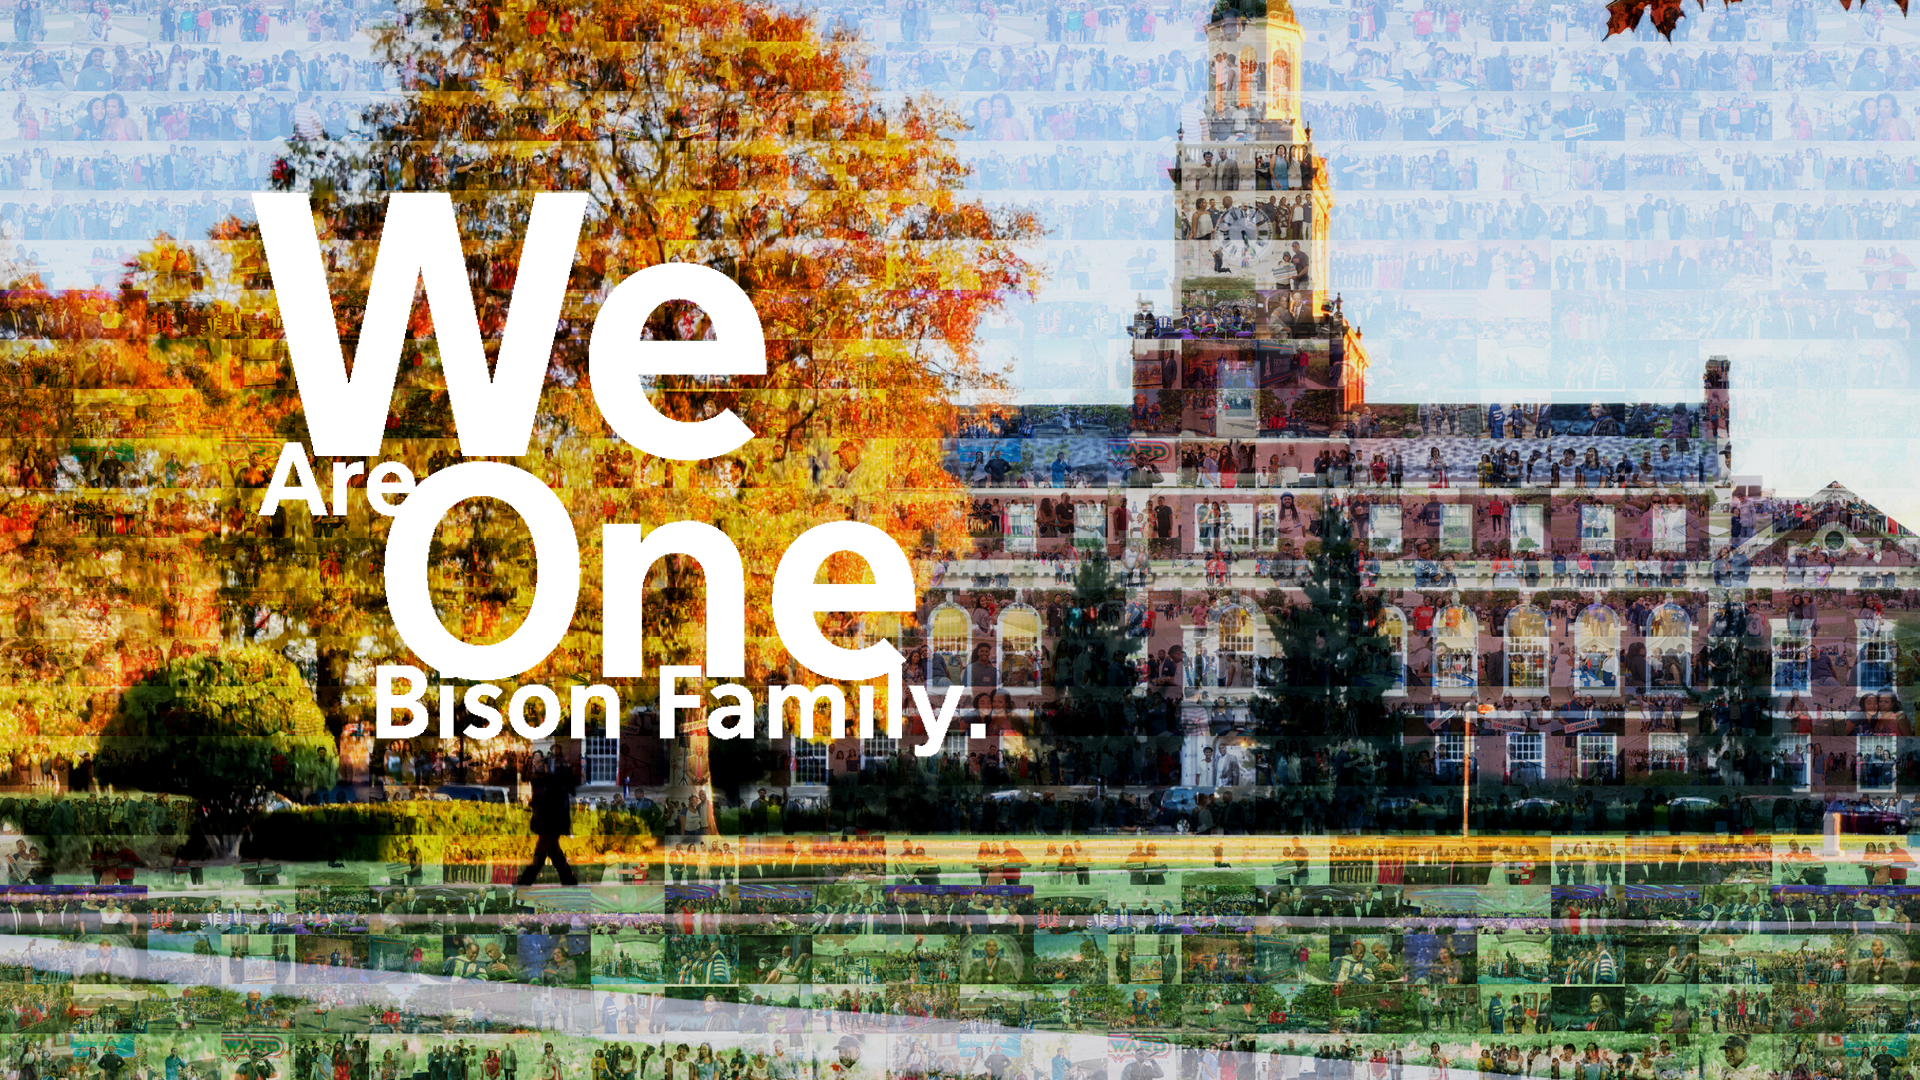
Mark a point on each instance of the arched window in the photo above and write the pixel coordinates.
(1089, 524)
(1235, 527)
(878, 626)
(1526, 648)
(1383, 528)
(1233, 648)
(949, 633)
(1393, 625)
(1020, 648)
(1596, 651)
(1667, 528)
(1526, 527)
(1022, 527)
(1280, 83)
(1596, 527)
(1456, 643)
(1669, 648)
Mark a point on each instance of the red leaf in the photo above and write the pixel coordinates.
(1624, 16)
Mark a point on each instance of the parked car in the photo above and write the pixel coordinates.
(1181, 800)
(342, 793)
(1536, 813)
(1690, 813)
(1864, 816)
(472, 793)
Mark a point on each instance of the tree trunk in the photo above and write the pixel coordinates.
(330, 690)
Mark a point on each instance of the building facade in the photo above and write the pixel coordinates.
(1570, 594)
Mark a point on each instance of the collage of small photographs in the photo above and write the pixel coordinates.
(1636, 956)
(1615, 783)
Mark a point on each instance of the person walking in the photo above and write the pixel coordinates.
(553, 790)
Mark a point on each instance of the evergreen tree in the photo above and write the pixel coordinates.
(1739, 674)
(1093, 666)
(1332, 664)
(231, 729)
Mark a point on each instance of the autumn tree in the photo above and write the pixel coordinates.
(730, 134)
(109, 464)
(1624, 16)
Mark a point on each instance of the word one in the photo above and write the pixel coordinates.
(493, 417)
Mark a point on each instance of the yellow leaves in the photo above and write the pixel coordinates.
(844, 227)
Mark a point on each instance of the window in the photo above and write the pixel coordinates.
(1527, 757)
(1878, 762)
(1596, 756)
(1795, 768)
(1449, 756)
(950, 633)
(1393, 624)
(1237, 526)
(1383, 528)
(603, 760)
(1020, 648)
(1668, 528)
(809, 762)
(1526, 528)
(1792, 653)
(1269, 526)
(1526, 647)
(1224, 525)
(1456, 640)
(1233, 666)
(880, 626)
(1237, 414)
(1232, 761)
(1267, 665)
(1089, 524)
(1149, 373)
(1021, 527)
(877, 753)
(1875, 637)
(1596, 528)
(1456, 527)
(1669, 648)
(1667, 753)
(1281, 83)
(1596, 651)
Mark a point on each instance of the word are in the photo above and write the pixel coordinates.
(493, 416)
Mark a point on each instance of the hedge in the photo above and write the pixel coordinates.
(454, 832)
